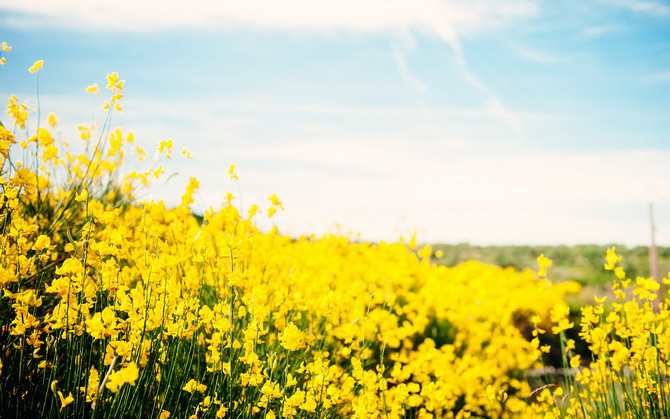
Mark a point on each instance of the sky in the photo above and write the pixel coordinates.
(490, 122)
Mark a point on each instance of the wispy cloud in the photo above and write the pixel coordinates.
(596, 31)
(641, 6)
(412, 81)
(384, 186)
(540, 57)
(445, 19)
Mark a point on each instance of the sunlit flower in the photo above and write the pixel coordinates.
(544, 263)
(82, 196)
(93, 89)
(64, 401)
(126, 375)
(292, 338)
(36, 66)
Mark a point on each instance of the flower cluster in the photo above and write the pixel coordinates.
(629, 344)
(110, 305)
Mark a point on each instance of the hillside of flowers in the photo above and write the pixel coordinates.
(115, 307)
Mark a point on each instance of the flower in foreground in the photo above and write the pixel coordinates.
(194, 385)
(64, 401)
(292, 338)
(128, 374)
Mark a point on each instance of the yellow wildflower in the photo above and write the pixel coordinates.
(544, 263)
(612, 258)
(52, 120)
(36, 66)
(166, 146)
(82, 197)
(231, 172)
(292, 338)
(93, 89)
(64, 401)
(128, 375)
(194, 385)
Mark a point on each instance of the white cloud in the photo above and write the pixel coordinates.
(596, 31)
(457, 193)
(445, 19)
(540, 57)
(451, 187)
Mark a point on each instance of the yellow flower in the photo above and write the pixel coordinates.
(544, 263)
(576, 361)
(5, 47)
(64, 401)
(221, 413)
(275, 201)
(82, 197)
(231, 172)
(93, 89)
(166, 146)
(41, 243)
(93, 383)
(612, 258)
(52, 120)
(187, 198)
(619, 272)
(128, 375)
(425, 251)
(36, 66)
(193, 385)
(292, 338)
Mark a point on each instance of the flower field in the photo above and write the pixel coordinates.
(116, 307)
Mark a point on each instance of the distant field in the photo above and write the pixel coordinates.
(581, 263)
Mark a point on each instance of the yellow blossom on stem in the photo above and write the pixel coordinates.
(64, 401)
(127, 374)
(292, 338)
(36, 66)
(82, 197)
(275, 201)
(612, 258)
(4, 48)
(187, 198)
(544, 263)
(231, 172)
(93, 89)
(193, 385)
(52, 120)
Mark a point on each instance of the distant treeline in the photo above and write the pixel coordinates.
(582, 263)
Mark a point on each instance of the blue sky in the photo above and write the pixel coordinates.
(490, 122)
